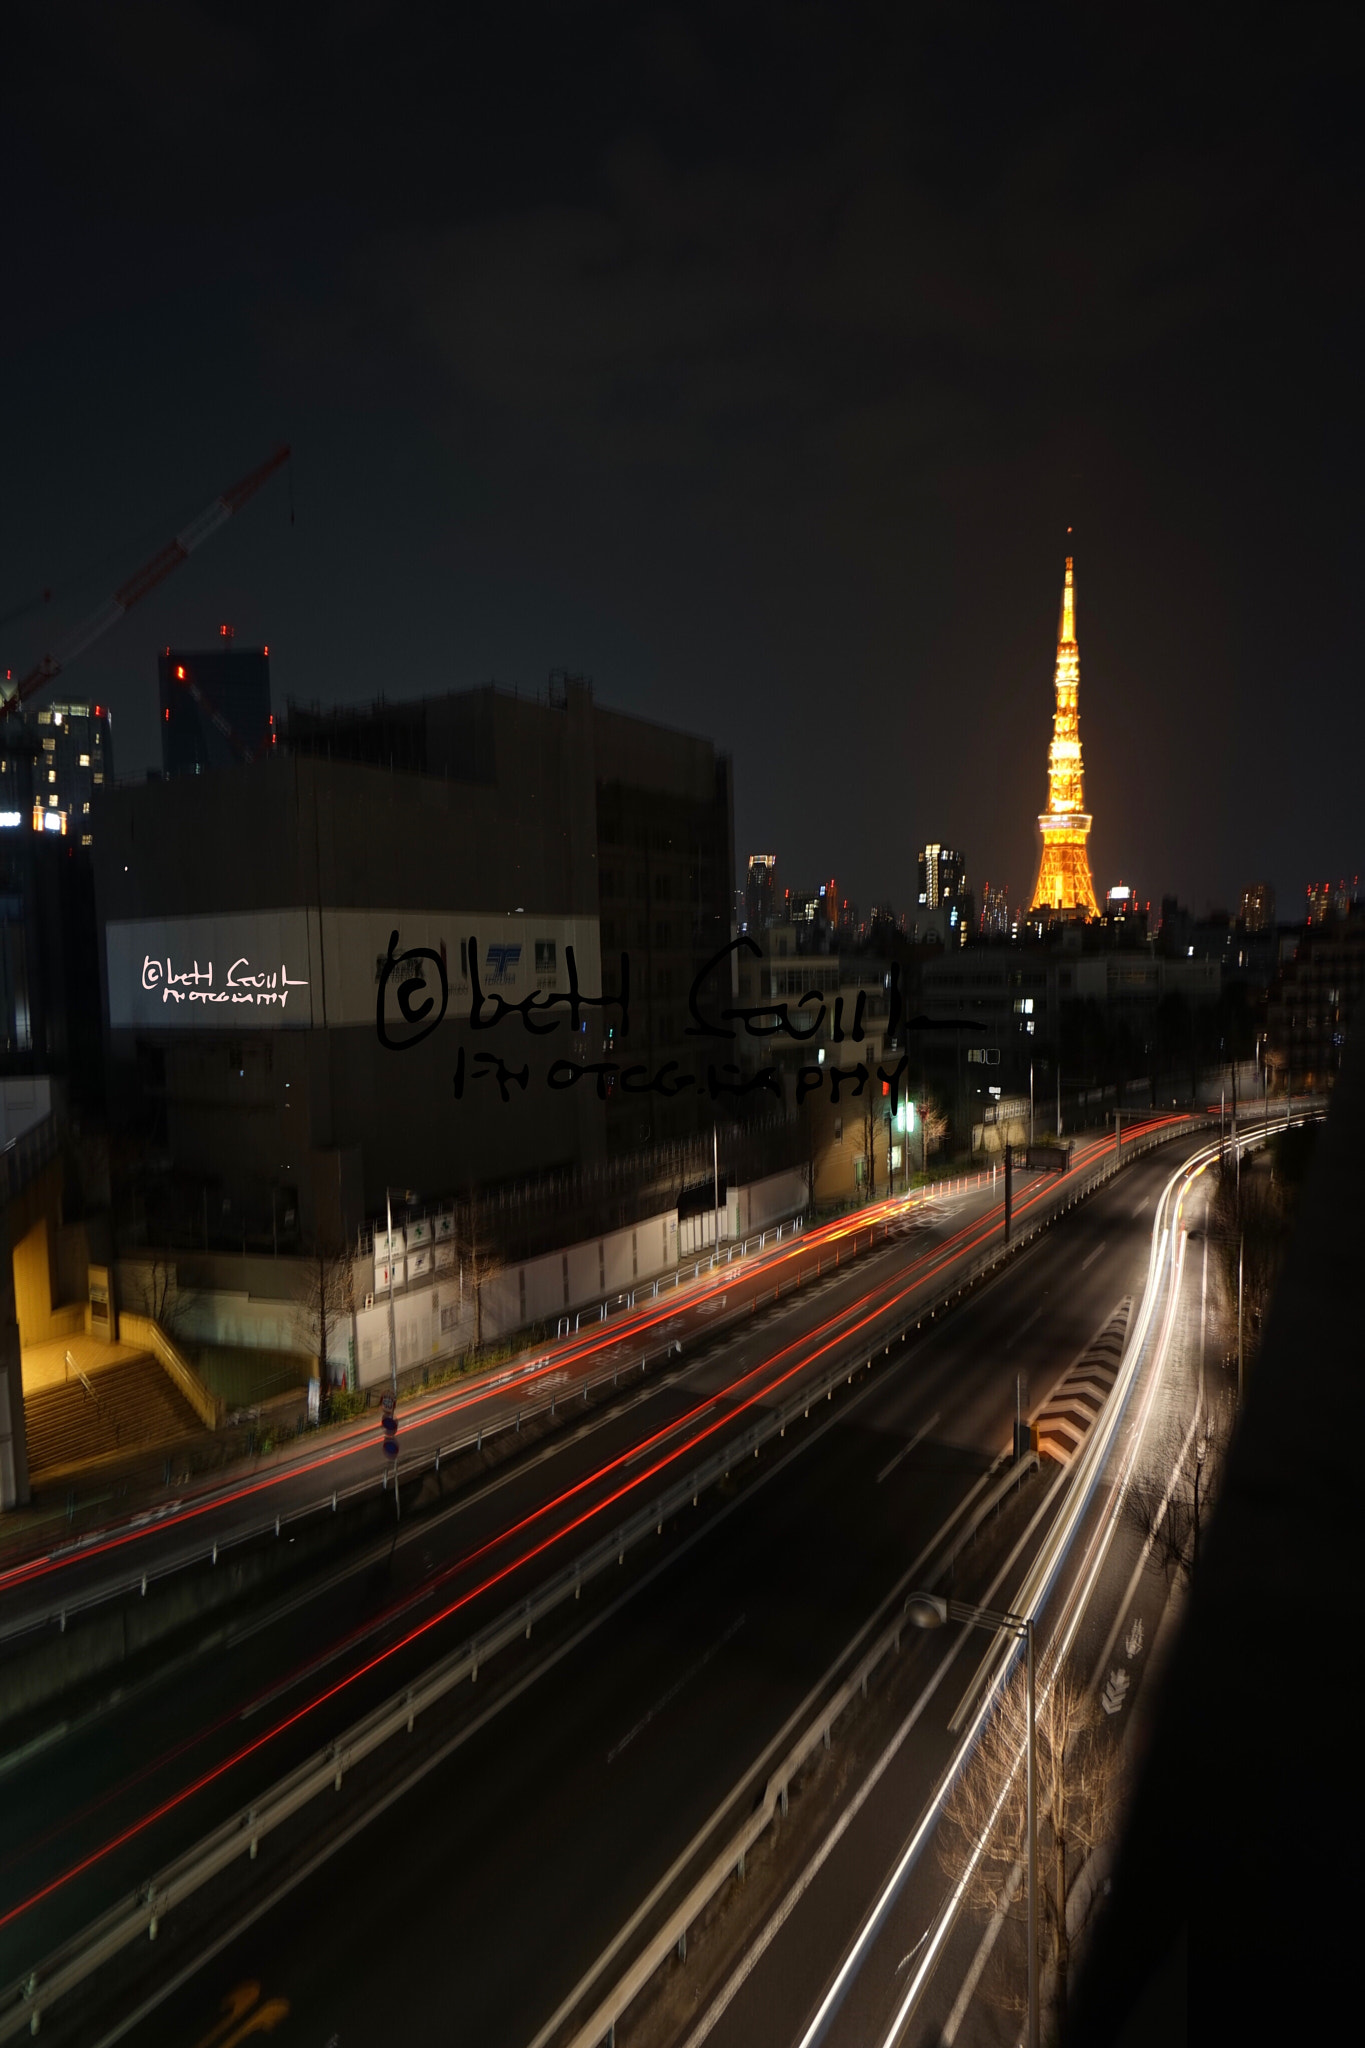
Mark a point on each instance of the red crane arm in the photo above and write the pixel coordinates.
(143, 580)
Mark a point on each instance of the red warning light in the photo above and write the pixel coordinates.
(265, 650)
(180, 672)
(167, 715)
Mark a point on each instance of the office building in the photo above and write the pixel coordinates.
(214, 706)
(941, 876)
(760, 893)
(247, 918)
(53, 762)
(1256, 912)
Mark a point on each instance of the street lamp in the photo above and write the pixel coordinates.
(928, 1610)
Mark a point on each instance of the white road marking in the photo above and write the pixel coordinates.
(665, 1699)
(906, 1449)
(1091, 1257)
(1142, 1205)
(1027, 1324)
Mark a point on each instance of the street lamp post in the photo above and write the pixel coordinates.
(929, 1610)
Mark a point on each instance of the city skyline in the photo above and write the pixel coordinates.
(637, 399)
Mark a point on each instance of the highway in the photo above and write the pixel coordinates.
(856, 1938)
(665, 1693)
(42, 1581)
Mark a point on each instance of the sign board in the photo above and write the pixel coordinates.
(444, 1226)
(314, 1400)
(419, 1262)
(248, 971)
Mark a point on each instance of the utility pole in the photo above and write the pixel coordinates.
(1059, 1098)
(1030, 1102)
(715, 1170)
(1007, 1185)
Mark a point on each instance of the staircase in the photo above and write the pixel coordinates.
(130, 1407)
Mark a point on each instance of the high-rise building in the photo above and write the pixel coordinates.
(1256, 912)
(1064, 887)
(760, 892)
(215, 706)
(1326, 900)
(995, 911)
(51, 763)
(941, 876)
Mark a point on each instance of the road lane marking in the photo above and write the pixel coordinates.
(1091, 1257)
(906, 1449)
(666, 1699)
(1142, 1205)
(1027, 1324)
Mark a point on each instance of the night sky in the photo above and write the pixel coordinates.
(752, 359)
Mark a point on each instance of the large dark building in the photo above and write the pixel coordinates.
(215, 706)
(248, 919)
(49, 1003)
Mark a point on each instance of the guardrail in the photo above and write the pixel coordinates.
(22, 2002)
(422, 1464)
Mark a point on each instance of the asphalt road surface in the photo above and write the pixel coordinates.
(554, 1793)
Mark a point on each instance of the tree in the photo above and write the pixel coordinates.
(1170, 1503)
(478, 1257)
(330, 1301)
(1079, 1785)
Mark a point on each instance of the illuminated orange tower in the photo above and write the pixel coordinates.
(1064, 887)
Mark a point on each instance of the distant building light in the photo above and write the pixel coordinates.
(9, 819)
(54, 821)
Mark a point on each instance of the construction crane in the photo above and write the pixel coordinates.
(138, 585)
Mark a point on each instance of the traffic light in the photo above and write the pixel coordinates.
(388, 1422)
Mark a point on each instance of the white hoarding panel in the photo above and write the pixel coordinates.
(264, 968)
(226, 973)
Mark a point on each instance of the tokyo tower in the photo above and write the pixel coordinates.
(1064, 887)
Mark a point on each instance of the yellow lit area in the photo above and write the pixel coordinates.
(1064, 884)
(53, 1342)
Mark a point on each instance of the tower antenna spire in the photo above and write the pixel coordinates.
(1064, 887)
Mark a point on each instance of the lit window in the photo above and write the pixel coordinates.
(98, 776)
(85, 839)
(52, 775)
(85, 810)
(85, 760)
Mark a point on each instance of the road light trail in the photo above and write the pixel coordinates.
(853, 1320)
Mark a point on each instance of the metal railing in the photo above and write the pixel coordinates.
(420, 1465)
(23, 2001)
